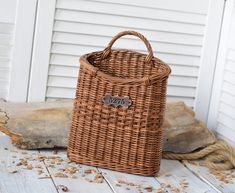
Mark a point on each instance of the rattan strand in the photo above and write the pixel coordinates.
(128, 140)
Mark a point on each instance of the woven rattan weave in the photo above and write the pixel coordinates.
(119, 109)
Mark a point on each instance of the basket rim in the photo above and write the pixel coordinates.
(107, 77)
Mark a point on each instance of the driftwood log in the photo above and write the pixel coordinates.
(46, 125)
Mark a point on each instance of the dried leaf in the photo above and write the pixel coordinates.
(12, 170)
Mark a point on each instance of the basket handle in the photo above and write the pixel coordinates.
(107, 50)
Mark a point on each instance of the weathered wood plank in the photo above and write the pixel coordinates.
(123, 182)
(224, 181)
(23, 180)
(81, 181)
(173, 176)
(46, 125)
(177, 178)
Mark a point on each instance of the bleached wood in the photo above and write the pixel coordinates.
(66, 15)
(200, 6)
(41, 50)
(108, 31)
(227, 98)
(227, 109)
(230, 77)
(79, 184)
(6, 28)
(231, 50)
(5, 51)
(229, 65)
(7, 20)
(8, 11)
(173, 172)
(24, 181)
(208, 59)
(204, 174)
(6, 39)
(225, 138)
(228, 120)
(46, 125)
(157, 14)
(21, 56)
(78, 50)
(113, 178)
(126, 43)
(227, 132)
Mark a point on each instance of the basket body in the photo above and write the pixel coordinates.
(121, 138)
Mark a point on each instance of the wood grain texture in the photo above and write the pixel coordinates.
(23, 181)
(122, 182)
(175, 32)
(80, 183)
(174, 173)
(45, 125)
(204, 174)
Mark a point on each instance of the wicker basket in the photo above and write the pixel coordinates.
(119, 109)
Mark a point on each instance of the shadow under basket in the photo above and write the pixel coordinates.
(119, 109)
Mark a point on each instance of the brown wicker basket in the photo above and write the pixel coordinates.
(119, 109)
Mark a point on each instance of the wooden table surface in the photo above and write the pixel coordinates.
(174, 176)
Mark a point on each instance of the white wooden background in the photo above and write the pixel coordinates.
(7, 24)
(184, 33)
(17, 19)
(223, 96)
(41, 42)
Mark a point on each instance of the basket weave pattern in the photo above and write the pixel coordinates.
(123, 139)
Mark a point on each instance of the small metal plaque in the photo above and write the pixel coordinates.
(116, 101)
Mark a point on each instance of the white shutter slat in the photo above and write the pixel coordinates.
(4, 61)
(3, 83)
(175, 32)
(109, 31)
(6, 44)
(61, 59)
(228, 98)
(126, 10)
(229, 76)
(101, 41)
(226, 132)
(6, 28)
(56, 92)
(86, 17)
(182, 81)
(181, 91)
(78, 50)
(229, 87)
(227, 109)
(199, 6)
(5, 51)
(223, 97)
(65, 72)
(230, 66)
(72, 71)
(65, 82)
(4, 72)
(6, 39)
(231, 54)
(227, 120)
